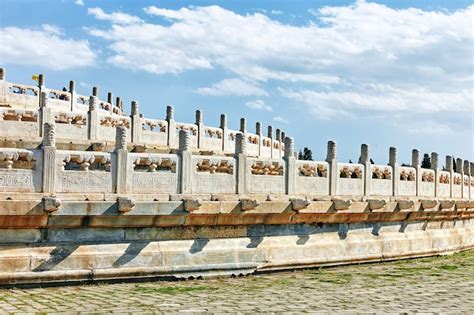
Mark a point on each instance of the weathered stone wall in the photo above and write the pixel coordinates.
(87, 192)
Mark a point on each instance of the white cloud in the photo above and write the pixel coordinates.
(380, 98)
(114, 17)
(79, 2)
(276, 12)
(279, 119)
(233, 87)
(46, 47)
(346, 59)
(52, 29)
(429, 128)
(259, 105)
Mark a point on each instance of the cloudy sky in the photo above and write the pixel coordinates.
(386, 73)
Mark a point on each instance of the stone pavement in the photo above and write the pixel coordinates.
(434, 285)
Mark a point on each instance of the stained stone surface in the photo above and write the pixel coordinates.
(429, 285)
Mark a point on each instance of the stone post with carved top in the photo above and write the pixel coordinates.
(392, 161)
(93, 122)
(449, 168)
(460, 170)
(225, 135)
(200, 129)
(415, 163)
(45, 114)
(290, 160)
(331, 158)
(364, 159)
(186, 169)
(49, 158)
(172, 143)
(241, 157)
(72, 90)
(435, 168)
(121, 160)
(467, 172)
(137, 123)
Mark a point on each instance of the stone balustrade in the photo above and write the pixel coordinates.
(185, 172)
(88, 119)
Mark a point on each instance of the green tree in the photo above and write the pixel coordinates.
(426, 163)
(307, 154)
(300, 155)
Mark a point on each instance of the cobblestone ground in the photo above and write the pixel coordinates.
(441, 285)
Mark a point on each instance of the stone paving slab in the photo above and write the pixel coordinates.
(429, 285)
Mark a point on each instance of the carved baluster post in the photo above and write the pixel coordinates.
(396, 172)
(171, 127)
(72, 90)
(365, 160)
(186, 169)
(243, 125)
(121, 159)
(331, 158)
(223, 126)
(200, 127)
(471, 180)
(3, 74)
(459, 170)
(110, 100)
(435, 167)
(270, 135)
(45, 115)
(278, 140)
(137, 123)
(258, 132)
(49, 158)
(467, 171)
(415, 163)
(241, 156)
(93, 120)
(95, 91)
(290, 165)
(449, 168)
(42, 89)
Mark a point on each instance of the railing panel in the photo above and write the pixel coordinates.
(427, 184)
(18, 123)
(108, 123)
(457, 185)
(83, 171)
(265, 175)
(155, 131)
(20, 170)
(59, 100)
(350, 179)
(252, 145)
(312, 178)
(266, 148)
(20, 96)
(407, 181)
(444, 184)
(213, 139)
(381, 182)
(70, 125)
(154, 173)
(466, 186)
(213, 175)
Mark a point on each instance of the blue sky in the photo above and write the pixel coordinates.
(386, 73)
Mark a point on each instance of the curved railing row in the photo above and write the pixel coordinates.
(24, 109)
(50, 170)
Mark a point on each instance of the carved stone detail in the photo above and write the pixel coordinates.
(299, 203)
(184, 141)
(405, 204)
(429, 203)
(49, 135)
(342, 204)
(191, 204)
(51, 204)
(125, 204)
(312, 170)
(375, 204)
(348, 171)
(248, 204)
(447, 204)
(215, 165)
(267, 168)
